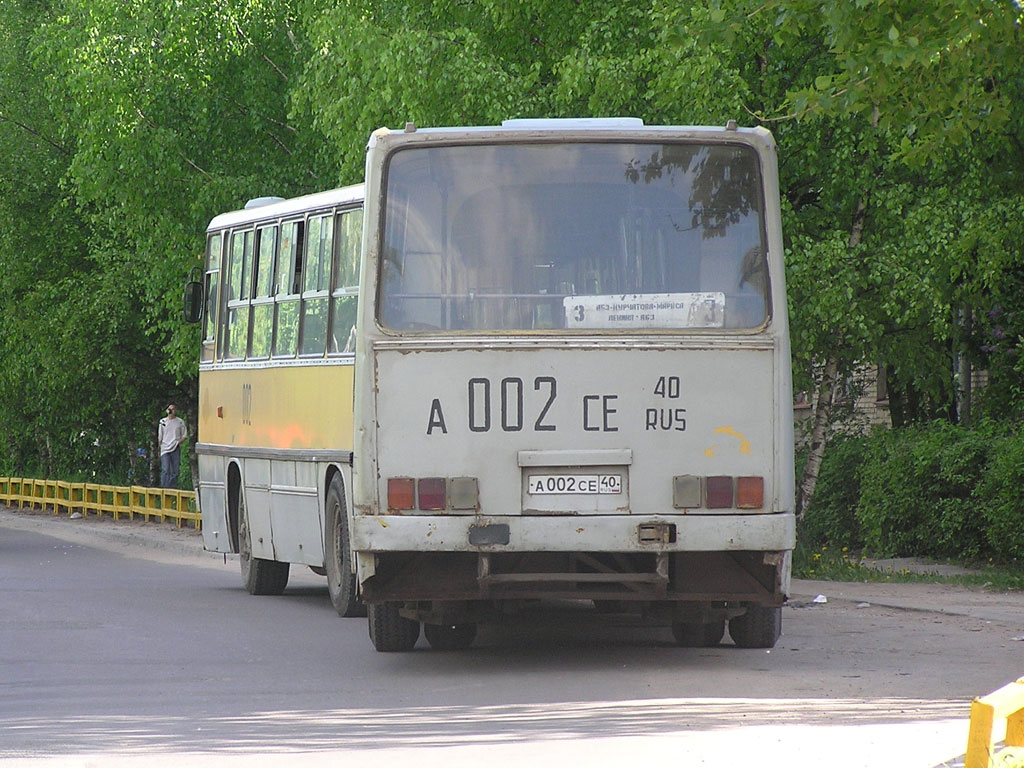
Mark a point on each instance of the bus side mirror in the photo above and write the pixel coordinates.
(193, 301)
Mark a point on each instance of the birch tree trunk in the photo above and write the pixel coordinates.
(823, 403)
(822, 414)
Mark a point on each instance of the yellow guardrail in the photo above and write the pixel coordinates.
(90, 498)
(1007, 702)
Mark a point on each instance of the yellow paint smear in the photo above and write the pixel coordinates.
(744, 443)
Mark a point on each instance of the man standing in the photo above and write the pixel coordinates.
(172, 435)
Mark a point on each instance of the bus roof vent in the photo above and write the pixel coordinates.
(572, 123)
(259, 202)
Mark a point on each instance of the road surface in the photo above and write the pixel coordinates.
(123, 644)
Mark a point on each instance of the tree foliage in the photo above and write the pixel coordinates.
(132, 124)
(938, 74)
(125, 125)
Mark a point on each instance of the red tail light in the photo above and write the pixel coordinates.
(719, 492)
(433, 493)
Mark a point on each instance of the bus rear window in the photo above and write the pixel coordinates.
(579, 236)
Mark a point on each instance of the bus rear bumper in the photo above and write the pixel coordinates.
(606, 533)
(683, 560)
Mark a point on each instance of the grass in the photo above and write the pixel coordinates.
(840, 564)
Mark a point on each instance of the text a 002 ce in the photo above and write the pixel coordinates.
(543, 485)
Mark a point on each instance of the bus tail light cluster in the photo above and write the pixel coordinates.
(717, 492)
(433, 494)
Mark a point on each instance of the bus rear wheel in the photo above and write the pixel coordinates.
(260, 577)
(341, 581)
(450, 637)
(389, 630)
(759, 627)
(692, 635)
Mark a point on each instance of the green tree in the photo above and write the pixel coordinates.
(940, 84)
(40, 242)
(128, 127)
(938, 74)
(177, 112)
(125, 126)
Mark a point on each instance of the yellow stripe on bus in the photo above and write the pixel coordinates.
(286, 407)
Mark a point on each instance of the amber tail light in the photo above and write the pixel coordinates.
(401, 493)
(749, 492)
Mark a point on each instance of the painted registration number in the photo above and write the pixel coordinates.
(542, 485)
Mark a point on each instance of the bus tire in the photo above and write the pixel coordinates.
(341, 581)
(260, 577)
(759, 627)
(450, 637)
(389, 630)
(693, 635)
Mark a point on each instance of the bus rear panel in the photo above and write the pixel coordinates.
(572, 380)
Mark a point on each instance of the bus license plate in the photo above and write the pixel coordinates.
(544, 485)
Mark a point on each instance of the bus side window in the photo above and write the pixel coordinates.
(315, 292)
(344, 299)
(214, 249)
(263, 300)
(236, 319)
(286, 291)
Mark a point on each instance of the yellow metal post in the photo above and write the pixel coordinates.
(1015, 729)
(1007, 702)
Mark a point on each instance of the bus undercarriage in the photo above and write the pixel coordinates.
(696, 593)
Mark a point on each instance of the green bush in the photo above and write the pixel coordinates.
(910, 491)
(933, 490)
(1000, 495)
(831, 518)
(964, 463)
(919, 491)
(891, 509)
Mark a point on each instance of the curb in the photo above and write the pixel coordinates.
(105, 533)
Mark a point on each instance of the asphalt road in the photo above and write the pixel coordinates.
(122, 644)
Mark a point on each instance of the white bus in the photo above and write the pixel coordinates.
(572, 381)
